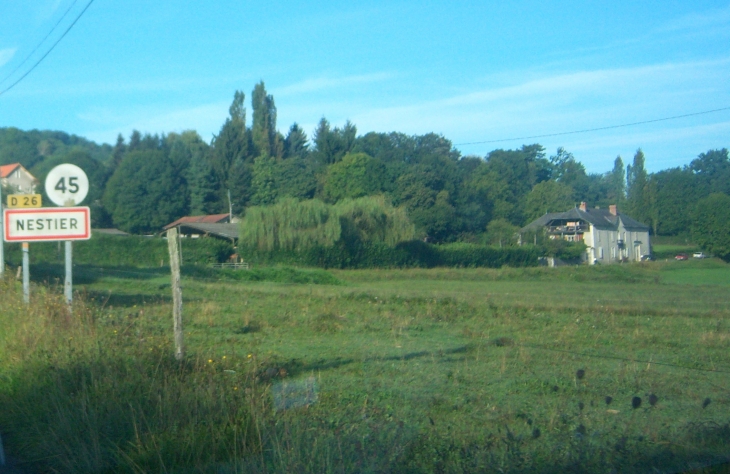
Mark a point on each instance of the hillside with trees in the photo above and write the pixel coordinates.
(146, 181)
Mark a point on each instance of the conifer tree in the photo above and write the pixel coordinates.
(118, 152)
(295, 143)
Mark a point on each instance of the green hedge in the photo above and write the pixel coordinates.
(134, 251)
(406, 254)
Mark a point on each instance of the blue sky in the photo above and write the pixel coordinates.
(472, 71)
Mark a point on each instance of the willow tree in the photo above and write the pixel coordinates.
(290, 225)
(298, 225)
(373, 219)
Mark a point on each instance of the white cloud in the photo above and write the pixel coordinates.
(6, 55)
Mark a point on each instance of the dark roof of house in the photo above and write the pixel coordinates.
(228, 231)
(210, 219)
(599, 218)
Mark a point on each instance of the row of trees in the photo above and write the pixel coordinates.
(147, 181)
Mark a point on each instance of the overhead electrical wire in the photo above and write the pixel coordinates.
(49, 50)
(595, 129)
(39, 44)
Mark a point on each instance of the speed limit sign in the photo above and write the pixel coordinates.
(67, 185)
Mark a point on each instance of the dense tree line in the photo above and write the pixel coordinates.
(145, 181)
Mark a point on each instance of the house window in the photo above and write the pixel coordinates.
(600, 253)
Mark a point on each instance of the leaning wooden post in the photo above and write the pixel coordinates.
(172, 247)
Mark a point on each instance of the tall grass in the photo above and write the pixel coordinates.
(419, 371)
(90, 393)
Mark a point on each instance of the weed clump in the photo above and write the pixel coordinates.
(635, 402)
(653, 399)
(504, 342)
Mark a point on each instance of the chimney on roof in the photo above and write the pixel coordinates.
(612, 209)
(583, 206)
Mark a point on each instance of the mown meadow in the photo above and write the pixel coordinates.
(620, 368)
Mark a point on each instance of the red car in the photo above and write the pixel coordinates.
(681, 256)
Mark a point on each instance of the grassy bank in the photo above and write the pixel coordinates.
(442, 370)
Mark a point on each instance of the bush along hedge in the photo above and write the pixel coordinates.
(405, 254)
(130, 251)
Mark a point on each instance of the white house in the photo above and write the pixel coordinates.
(609, 235)
(18, 178)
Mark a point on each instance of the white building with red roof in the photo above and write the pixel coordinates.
(18, 178)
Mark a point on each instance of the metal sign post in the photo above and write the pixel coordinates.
(68, 282)
(26, 274)
(67, 185)
(26, 221)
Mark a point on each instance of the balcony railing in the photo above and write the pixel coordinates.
(568, 229)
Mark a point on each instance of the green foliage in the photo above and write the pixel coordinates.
(295, 225)
(548, 196)
(636, 189)
(567, 171)
(409, 254)
(275, 274)
(564, 250)
(710, 224)
(265, 139)
(676, 194)
(296, 143)
(617, 183)
(231, 157)
(264, 181)
(332, 144)
(146, 192)
(289, 225)
(29, 148)
(500, 232)
(124, 251)
(296, 177)
(356, 175)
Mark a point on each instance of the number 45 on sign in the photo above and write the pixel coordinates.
(67, 185)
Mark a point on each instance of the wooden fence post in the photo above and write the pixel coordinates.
(172, 247)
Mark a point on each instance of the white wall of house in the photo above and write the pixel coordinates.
(636, 244)
(603, 245)
(21, 180)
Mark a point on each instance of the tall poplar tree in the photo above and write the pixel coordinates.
(231, 157)
(617, 182)
(636, 189)
(266, 140)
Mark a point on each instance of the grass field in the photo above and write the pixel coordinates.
(442, 370)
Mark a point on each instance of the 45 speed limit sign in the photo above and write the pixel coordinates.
(67, 185)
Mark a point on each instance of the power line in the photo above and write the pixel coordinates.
(51, 49)
(597, 129)
(39, 44)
